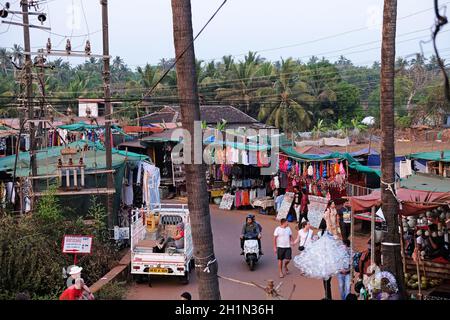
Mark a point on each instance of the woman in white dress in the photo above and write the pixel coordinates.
(325, 257)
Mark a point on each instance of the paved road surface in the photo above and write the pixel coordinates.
(226, 228)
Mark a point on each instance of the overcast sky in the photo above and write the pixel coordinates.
(141, 31)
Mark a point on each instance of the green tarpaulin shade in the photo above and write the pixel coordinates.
(352, 162)
(47, 159)
(81, 126)
(432, 156)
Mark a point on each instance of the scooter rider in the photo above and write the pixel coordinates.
(251, 231)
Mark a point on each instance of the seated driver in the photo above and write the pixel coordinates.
(177, 241)
(251, 231)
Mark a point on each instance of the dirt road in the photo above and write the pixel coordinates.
(226, 227)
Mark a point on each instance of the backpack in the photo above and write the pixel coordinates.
(356, 258)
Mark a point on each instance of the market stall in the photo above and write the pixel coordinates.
(425, 218)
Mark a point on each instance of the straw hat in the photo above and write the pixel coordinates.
(75, 270)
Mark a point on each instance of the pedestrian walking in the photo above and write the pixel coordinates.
(304, 236)
(343, 276)
(282, 246)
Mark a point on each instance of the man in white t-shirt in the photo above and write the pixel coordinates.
(282, 246)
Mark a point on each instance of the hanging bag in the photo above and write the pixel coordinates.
(302, 247)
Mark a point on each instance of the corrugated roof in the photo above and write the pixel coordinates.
(210, 114)
(426, 183)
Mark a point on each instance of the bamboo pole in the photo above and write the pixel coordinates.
(372, 236)
(352, 233)
(402, 246)
(418, 269)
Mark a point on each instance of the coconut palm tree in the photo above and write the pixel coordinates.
(17, 54)
(286, 104)
(392, 259)
(4, 60)
(202, 237)
(149, 75)
(240, 91)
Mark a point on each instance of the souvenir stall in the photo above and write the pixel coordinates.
(239, 175)
(322, 179)
(424, 238)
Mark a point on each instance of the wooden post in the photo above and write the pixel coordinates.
(75, 178)
(372, 235)
(67, 178)
(402, 246)
(418, 270)
(352, 233)
(82, 176)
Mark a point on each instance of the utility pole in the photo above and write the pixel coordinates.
(205, 261)
(108, 111)
(390, 247)
(29, 90)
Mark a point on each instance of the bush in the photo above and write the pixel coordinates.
(403, 122)
(112, 291)
(31, 258)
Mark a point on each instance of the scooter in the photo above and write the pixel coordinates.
(251, 253)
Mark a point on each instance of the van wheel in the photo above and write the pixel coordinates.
(139, 278)
(191, 264)
(185, 279)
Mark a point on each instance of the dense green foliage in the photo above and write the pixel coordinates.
(290, 94)
(30, 251)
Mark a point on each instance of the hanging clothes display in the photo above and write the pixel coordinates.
(150, 183)
(252, 158)
(127, 187)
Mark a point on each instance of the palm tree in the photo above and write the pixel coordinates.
(208, 283)
(322, 77)
(17, 54)
(4, 60)
(149, 75)
(392, 259)
(286, 104)
(240, 91)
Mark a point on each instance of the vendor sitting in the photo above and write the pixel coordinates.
(177, 241)
(439, 249)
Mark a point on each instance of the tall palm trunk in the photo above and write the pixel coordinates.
(208, 283)
(392, 260)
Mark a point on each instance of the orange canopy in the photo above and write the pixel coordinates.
(413, 202)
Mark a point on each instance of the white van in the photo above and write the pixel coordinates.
(144, 236)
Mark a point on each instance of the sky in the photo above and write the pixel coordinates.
(140, 31)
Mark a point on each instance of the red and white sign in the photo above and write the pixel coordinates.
(77, 244)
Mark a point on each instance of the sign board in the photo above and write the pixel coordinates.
(77, 244)
(283, 210)
(121, 233)
(316, 209)
(227, 201)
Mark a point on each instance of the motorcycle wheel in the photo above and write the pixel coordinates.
(251, 264)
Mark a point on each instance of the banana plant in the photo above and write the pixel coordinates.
(318, 128)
